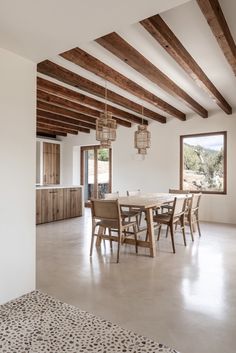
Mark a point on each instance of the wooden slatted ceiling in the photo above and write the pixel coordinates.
(54, 128)
(64, 119)
(71, 95)
(213, 13)
(63, 102)
(54, 133)
(61, 74)
(123, 50)
(156, 26)
(90, 63)
(70, 113)
(61, 124)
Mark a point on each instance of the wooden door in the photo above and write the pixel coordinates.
(96, 172)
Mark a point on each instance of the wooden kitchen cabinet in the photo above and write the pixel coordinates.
(58, 203)
(51, 163)
(38, 206)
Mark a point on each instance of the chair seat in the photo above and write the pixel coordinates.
(113, 224)
(162, 218)
(129, 213)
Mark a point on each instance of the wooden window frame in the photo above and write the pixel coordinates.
(182, 137)
(96, 148)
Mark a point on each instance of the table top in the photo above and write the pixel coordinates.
(149, 200)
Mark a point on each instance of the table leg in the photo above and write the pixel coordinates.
(150, 230)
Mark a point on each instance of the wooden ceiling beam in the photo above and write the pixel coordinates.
(71, 78)
(64, 119)
(57, 128)
(124, 51)
(58, 90)
(214, 15)
(160, 31)
(90, 63)
(49, 132)
(59, 124)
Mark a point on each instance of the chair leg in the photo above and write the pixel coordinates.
(198, 226)
(159, 233)
(167, 231)
(172, 237)
(135, 238)
(118, 247)
(191, 227)
(183, 230)
(109, 231)
(140, 219)
(137, 220)
(92, 240)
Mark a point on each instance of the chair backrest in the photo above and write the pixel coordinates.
(195, 201)
(133, 193)
(177, 191)
(111, 196)
(179, 206)
(105, 209)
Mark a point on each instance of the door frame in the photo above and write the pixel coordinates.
(82, 160)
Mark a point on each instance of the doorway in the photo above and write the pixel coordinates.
(96, 166)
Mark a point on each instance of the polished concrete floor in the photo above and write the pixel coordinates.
(186, 300)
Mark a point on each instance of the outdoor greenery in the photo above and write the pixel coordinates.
(203, 168)
(103, 154)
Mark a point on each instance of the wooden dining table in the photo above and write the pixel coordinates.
(147, 202)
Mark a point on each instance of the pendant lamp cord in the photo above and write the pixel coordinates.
(105, 98)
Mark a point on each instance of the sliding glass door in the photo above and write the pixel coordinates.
(95, 172)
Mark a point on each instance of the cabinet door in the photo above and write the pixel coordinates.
(38, 207)
(47, 205)
(72, 202)
(58, 200)
(75, 202)
(51, 163)
(66, 205)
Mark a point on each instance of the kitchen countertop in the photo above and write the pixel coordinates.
(41, 187)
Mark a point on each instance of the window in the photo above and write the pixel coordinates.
(203, 162)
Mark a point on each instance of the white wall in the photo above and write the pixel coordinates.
(160, 170)
(17, 175)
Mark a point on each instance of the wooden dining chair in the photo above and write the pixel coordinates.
(170, 219)
(106, 214)
(168, 207)
(125, 213)
(139, 212)
(191, 216)
(111, 195)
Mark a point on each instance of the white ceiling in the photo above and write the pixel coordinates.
(190, 26)
(40, 29)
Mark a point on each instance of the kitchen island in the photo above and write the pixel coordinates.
(57, 202)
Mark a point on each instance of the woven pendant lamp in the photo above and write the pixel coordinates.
(142, 138)
(106, 127)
